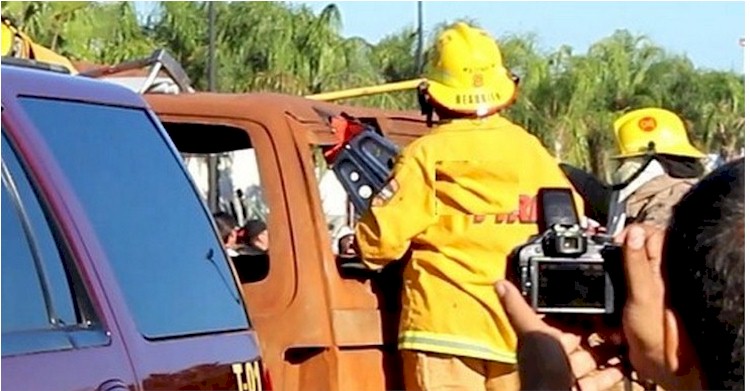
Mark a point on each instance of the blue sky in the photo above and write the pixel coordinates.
(708, 32)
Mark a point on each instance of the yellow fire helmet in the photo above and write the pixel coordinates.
(8, 37)
(636, 130)
(465, 73)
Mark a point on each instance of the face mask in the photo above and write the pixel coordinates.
(627, 169)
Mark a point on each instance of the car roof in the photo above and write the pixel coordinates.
(272, 110)
(26, 80)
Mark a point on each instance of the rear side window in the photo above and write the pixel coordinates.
(45, 306)
(24, 306)
(148, 217)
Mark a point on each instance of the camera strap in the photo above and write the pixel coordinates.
(618, 203)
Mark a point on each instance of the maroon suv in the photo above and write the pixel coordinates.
(113, 276)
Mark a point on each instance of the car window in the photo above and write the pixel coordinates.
(337, 209)
(148, 217)
(50, 256)
(23, 304)
(241, 193)
(45, 305)
(240, 190)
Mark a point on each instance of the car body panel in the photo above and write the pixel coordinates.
(106, 363)
(215, 361)
(338, 333)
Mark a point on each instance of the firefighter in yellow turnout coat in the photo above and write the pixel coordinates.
(461, 199)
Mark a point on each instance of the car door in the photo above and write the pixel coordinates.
(165, 271)
(57, 333)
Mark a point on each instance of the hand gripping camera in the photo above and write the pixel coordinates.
(565, 270)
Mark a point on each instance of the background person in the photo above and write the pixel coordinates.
(655, 135)
(227, 226)
(254, 237)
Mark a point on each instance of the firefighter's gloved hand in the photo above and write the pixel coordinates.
(348, 246)
(549, 359)
(593, 227)
(350, 259)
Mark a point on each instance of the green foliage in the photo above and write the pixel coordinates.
(102, 32)
(569, 100)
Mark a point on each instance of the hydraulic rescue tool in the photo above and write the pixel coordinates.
(362, 159)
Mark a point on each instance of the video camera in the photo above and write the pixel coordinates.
(564, 269)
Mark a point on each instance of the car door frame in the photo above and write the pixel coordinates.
(111, 363)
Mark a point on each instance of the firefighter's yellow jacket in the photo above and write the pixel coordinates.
(461, 198)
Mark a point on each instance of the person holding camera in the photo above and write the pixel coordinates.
(683, 317)
(460, 199)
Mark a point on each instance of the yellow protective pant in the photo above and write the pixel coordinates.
(425, 371)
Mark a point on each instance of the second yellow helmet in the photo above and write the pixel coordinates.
(8, 37)
(466, 74)
(662, 129)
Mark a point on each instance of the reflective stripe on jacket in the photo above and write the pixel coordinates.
(461, 198)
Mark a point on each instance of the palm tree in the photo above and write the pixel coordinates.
(569, 100)
(83, 30)
(181, 27)
(722, 124)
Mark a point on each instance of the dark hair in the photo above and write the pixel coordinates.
(704, 273)
(226, 224)
(681, 166)
(253, 228)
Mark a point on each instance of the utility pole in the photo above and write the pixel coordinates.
(211, 46)
(420, 37)
(213, 160)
